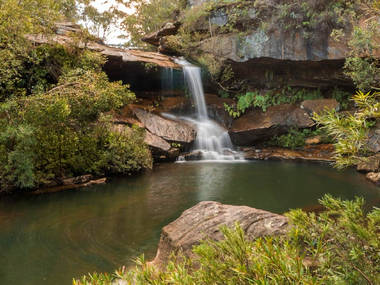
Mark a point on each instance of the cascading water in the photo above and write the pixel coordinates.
(212, 140)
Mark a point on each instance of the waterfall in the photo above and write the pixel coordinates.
(212, 140)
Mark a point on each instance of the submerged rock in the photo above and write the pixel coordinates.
(204, 221)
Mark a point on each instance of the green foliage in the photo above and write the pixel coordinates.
(98, 23)
(362, 66)
(271, 98)
(62, 132)
(17, 19)
(342, 97)
(296, 138)
(350, 131)
(339, 246)
(149, 17)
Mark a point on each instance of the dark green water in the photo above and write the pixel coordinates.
(49, 239)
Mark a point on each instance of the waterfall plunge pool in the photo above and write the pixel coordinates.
(49, 239)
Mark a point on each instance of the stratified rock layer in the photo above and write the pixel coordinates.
(204, 221)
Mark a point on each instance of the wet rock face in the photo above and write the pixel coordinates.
(258, 125)
(172, 131)
(204, 221)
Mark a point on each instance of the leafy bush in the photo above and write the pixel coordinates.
(62, 132)
(339, 246)
(350, 131)
(17, 19)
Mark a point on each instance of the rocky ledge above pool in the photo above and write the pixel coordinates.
(204, 221)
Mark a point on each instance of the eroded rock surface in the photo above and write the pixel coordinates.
(204, 221)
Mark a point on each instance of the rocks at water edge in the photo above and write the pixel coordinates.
(374, 177)
(204, 221)
(258, 125)
(170, 130)
(314, 153)
(369, 164)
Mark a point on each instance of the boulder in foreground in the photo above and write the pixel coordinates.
(204, 221)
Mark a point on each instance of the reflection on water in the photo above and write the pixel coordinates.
(49, 239)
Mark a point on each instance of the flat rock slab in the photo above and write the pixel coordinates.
(156, 142)
(174, 131)
(204, 221)
(315, 153)
(64, 36)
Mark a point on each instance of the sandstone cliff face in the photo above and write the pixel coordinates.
(265, 50)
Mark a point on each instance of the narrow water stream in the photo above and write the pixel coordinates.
(212, 141)
(49, 239)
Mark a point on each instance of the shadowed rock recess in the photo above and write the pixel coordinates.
(204, 221)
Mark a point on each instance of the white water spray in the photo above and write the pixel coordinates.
(212, 140)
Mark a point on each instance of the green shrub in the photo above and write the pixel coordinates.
(339, 246)
(350, 130)
(62, 132)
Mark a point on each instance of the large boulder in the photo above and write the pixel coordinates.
(170, 130)
(204, 221)
(319, 105)
(258, 125)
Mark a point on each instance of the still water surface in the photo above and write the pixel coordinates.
(49, 239)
